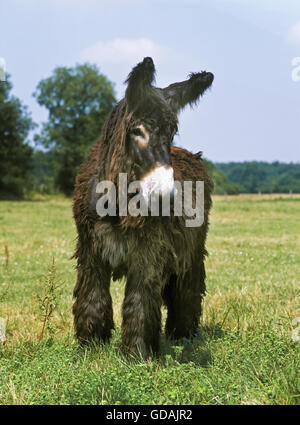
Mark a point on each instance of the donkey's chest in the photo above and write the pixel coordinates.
(113, 246)
(121, 249)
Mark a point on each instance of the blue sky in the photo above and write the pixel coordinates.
(252, 111)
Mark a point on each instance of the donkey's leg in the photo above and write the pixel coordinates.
(93, 314)
(141, 314)
(183, 300)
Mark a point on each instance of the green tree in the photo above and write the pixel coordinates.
(15, 153)
(78, 100)
(221, 184)
(42, 172)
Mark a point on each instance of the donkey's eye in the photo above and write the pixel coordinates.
(141, 136)
(137, 132)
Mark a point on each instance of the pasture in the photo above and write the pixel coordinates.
(244, 352)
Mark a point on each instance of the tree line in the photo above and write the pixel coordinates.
(260, 176)
(78, 100)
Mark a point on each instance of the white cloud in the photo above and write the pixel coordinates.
(293, 35)
(123, 51)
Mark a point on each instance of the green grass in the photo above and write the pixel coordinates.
(243, 354)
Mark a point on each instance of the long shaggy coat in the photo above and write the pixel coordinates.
(161, 259)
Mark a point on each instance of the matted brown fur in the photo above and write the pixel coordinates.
(161, 259)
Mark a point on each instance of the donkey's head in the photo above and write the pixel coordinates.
(152, 123)
(139, 132)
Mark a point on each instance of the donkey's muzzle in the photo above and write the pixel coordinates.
(158, 181)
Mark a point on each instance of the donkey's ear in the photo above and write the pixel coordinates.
(178, 95)
(139, 81)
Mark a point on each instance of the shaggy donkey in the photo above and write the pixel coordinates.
(161, 259)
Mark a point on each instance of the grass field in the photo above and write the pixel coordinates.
(244, 352)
